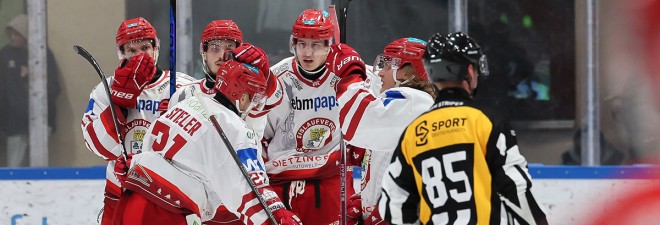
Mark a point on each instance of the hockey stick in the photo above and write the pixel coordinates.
(81, 51)
(238, 162)
(172, 47)
(343, 200)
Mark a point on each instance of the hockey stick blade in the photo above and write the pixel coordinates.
(85, 54)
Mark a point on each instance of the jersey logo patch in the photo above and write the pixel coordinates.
(317, 103)
(314, 134)
(135, 131)
(147, 105)
(248, 157)
(421, 132)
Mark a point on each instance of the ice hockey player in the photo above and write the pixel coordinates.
(191, 171)
(303, 136)
(379, 120)
(218, 38)
(459, 162)
(138, 87)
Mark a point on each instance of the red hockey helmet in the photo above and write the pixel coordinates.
(313, 24)
(221, 30)
(135, 29)
(408, 51)
(234, 79)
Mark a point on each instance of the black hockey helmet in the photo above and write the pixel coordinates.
(447, 57)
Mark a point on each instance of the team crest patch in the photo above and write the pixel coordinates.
(314, 134)
(135, 131)
(136, 144)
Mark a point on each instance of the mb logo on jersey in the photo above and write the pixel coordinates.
(421, 132)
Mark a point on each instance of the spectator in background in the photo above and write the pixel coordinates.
(14, 91)
(609, 155)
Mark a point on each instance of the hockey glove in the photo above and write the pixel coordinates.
(130, 80)
(275, 205)
(354, 213)
(121, 167)
(253, 55)
(355, 154)
(374, 218)
(344, 61)
(286, 217)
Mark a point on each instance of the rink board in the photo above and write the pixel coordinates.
(68, 196)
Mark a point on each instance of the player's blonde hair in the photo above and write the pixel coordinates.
(414, 82)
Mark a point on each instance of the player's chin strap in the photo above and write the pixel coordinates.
(397, 82)
(257, 103)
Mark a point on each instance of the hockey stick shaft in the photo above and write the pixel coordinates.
(238, 162)
(343, 198)
(81, 51)
(172, 47)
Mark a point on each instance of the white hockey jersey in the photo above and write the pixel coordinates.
(98, 128)
(377, 126)
(191, 170)
(303, 132)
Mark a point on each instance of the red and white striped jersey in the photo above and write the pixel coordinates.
(191, 169)
(378, 129)
(303, 133)
(303, 136)
(98, 128)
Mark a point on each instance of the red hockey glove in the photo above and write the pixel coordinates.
(374, 218)
(355, 208)
(271, 84)
(130, 80)
(355, 155)
(253, 55)
(286, 217)
(121, 167)
(343, 60)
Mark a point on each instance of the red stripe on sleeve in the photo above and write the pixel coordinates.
(108, 124)
(347, 107)
(253, 210)
(97, 144)
(355, 121)
(246, 198)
